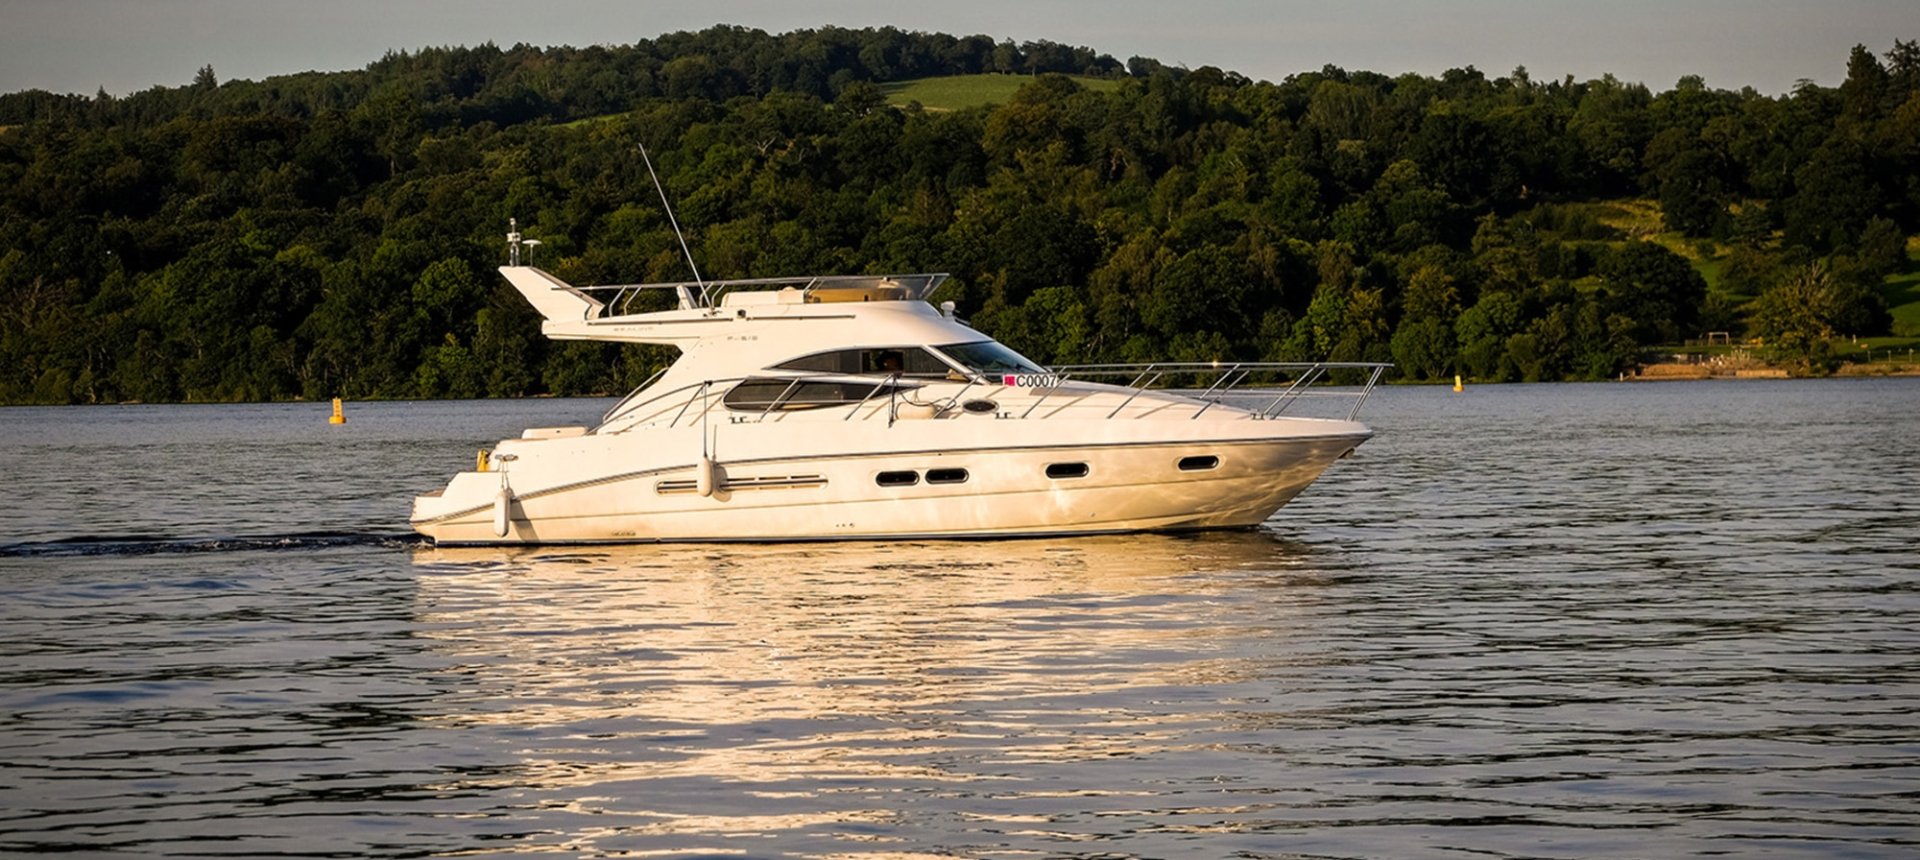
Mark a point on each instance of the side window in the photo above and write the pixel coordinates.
(842, 361)
(885, 362)
(920, 362)
(784, 395)
(906, 361)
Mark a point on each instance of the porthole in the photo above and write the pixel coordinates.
(1066, 470)
(946, 476)
(979, 407)
(897, 479)
(1199, 463)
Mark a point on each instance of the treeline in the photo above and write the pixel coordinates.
(334, 234)
(435, 87)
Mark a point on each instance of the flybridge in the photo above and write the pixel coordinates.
(774, 291)
(614, 300)
(702, 294)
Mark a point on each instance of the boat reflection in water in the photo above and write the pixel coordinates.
(658, 697)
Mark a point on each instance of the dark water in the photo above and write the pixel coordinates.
(1531, 621)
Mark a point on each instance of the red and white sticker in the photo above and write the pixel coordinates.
(1030, 380)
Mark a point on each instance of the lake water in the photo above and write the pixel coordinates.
(1605, 620)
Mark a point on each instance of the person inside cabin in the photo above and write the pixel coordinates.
(890, 361)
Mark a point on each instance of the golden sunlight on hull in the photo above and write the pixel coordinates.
(1003, 494)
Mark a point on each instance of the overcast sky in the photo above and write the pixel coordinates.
(128, 45)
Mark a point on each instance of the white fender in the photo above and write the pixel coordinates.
(704, 474)
(502, 507)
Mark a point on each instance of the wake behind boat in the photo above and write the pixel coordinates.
(822, 408)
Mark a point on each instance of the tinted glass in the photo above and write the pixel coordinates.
(756, 395)
(907, 361)
(990, 357)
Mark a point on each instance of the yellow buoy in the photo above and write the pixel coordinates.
(338, 416)
(481, 462)
(1456, 383)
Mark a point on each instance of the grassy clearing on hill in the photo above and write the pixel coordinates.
(592, 120)
(1903, 293)
(1639, 219)
(1903, 302)
(956, 92)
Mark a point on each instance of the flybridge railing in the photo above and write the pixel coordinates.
(707, 294)
(1265, 389)
(1248, 381)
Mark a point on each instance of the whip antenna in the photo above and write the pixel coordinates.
(686, 299)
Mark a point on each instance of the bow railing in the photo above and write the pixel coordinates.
(1249, 382)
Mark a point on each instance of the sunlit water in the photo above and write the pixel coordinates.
(1544, 621)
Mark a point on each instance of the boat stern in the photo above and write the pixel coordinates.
(469, 496)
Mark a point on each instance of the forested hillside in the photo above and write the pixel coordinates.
(335, 234)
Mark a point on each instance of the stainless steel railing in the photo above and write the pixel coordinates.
(1266, 389)
(1299, 379)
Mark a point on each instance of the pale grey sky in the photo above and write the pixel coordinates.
(128, 45)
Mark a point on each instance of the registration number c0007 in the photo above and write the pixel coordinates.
(1030, 380)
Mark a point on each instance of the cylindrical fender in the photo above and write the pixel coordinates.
(704, 475)
(502, 509)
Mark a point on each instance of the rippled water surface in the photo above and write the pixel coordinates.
(1527, 621)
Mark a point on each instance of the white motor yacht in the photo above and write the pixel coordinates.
(826, 408)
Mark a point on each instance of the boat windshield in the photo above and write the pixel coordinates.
(990, 357)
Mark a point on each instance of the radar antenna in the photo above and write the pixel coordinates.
(686, 299)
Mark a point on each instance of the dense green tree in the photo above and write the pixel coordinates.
(1424, 348)
(1482, 332)
(1834, 196)
(1795, 318)
(1658, 288)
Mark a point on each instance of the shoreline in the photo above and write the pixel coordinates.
(1676, 372)
(1850, 371)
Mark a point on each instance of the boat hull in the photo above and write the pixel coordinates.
(958, 490)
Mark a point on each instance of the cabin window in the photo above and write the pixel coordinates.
(1066, 470)
(1199, 463)
(946, 476)
(897, 479)
(904, 360)
(990, 357)
(784, 395)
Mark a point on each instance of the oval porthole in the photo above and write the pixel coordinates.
(1199, 463)
(897, 479)
(946, 476)
(979, 407)
(1066, 470)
